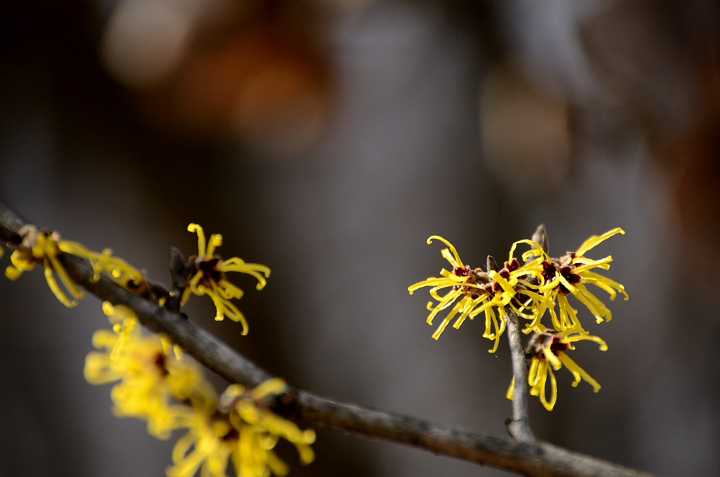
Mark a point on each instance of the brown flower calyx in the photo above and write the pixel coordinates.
(542, 341)
(474, 277)
(564, 266)
(29, 234)
(210, 268)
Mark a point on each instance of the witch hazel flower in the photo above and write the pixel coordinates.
(548, 352)
(243, 432)
(570, 275)
(42, 247)
(208, 276)
(471, 291)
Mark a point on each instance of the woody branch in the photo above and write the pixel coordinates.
(522, 455)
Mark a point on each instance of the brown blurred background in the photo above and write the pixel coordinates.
(328, 139)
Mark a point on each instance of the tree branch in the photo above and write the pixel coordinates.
(527, 458)
(519, 425)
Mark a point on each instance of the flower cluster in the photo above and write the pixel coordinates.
(204, 274)
(151, 378)
(43, 247)
(538, 287)
(243, 431)
(473, 291)
(569, 275)
(168, 391)
(154, 381)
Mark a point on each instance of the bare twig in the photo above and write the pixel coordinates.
(527, 458)
(519, 425)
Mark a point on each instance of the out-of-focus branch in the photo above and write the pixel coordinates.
(527, 458)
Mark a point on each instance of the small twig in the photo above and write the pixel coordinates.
(527, 458)
(10, 225)
(519, 425)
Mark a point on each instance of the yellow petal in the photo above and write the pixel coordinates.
(201, 238)
(455, 258)
(578, 372)
(271, 386)
(595, 240)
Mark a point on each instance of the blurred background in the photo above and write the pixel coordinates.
(328, 139)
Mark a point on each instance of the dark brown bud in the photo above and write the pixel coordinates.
(491, 263)
(540, 237)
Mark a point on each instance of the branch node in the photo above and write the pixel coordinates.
(178, 274)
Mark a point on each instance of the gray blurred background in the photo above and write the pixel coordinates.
(328, 139)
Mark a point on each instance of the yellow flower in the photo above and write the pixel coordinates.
(150, 377)
(140, 368)
(119, 270)
(170, 393)
(208, 277)
(569, 275)
(550, 353)
(124, 323)
(478, 291)
(245, 436)
(208, 444)
(41, 247)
